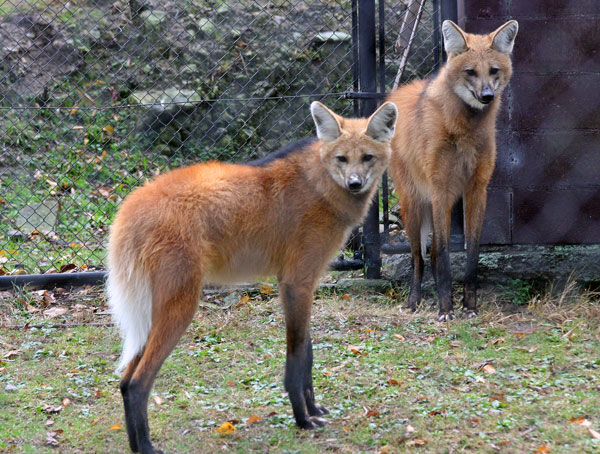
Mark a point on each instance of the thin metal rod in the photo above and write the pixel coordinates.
(367, 52)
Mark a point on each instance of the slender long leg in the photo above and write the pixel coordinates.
(442, 208)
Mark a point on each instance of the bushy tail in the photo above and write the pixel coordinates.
(130, 301)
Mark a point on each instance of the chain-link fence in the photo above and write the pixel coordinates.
(96, 97)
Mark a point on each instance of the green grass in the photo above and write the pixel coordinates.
(391, 379)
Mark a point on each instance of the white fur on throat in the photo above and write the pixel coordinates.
(130, 301)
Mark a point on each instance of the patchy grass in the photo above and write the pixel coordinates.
(516, 381)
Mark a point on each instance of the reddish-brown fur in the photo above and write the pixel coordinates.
(217, 223)
(445, 148)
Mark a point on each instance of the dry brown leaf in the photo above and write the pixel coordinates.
(543, 449)
(55, 311)
(393, 382)
(226, 428)
(253, 419)
(416, 442)
(385, 449)
(244, 299)
(372, 413)
(266, 289)
(489, 369)
(399, 337)
(12, 353)
(582, 420)
(158, 400)
(94, 422)
(66, 402)
(354, 349)
(49, 422)
(409, 429)
(52, 408)
(51, 438)
(345, 296)
(229, 383)
(117, 426)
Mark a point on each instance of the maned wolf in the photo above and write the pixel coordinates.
(214, 222)
(445, 147)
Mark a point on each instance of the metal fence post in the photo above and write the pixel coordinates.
(368, 84)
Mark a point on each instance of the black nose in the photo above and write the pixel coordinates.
(487, 95)
(354, 182)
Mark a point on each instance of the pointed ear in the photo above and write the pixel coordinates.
(503, 39)
(328, 126)
(455, 41)
(382, 124)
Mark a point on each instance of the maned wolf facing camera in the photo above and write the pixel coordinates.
(445, 148)
(286, 215)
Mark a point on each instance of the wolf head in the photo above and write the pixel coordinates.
(355, 152)
(479, 66)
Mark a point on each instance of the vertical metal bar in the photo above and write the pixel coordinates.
(437, 42)
(384, 179)
(449, 10)
(355, 63)
(368, 83)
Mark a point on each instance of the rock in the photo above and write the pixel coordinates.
(498, 265)
(38, 216)
(153, 18)
(206, 26)
(161, 99)
(17, 235)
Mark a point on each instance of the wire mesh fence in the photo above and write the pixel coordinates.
(97, 96)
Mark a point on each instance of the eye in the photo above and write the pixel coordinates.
(471, 72)
(342, 158)
(367, 157)
(493, 71)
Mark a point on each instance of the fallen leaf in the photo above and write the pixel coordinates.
(108, 129)
(372, 413)
(52, 408)
(253, 419)
(12, 353)
(226, 427)
(51, 439)
(489, 369)
(266, 289)
(399, 337)
(582, 420)
(503, 442)
(543, 449)
(229, 383)
(345, 296)
(409, 429)
(66, 402)
(49, 422)
(393, 382)
(415, 442)
(117, 426)
(385, 449)
(354, 349)
(55, 312)
(244, 299)
(94, 422)
(158, 400)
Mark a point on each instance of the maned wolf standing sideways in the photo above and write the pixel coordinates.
(445, 147)
(214, 222)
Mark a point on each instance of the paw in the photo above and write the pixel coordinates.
(318, 410)
(312, 422)
(446, 317)
(471, 313)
